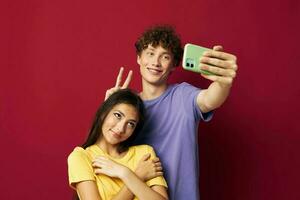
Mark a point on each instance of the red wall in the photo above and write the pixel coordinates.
(59, 56)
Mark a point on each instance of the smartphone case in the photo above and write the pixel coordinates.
(191, 56)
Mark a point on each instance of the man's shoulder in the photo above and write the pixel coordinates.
(182, 85)
(181, 89)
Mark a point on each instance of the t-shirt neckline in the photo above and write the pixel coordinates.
(151, 101)
(111, 157)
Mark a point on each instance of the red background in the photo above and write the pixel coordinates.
(58, 57)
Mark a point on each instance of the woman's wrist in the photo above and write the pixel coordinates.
(139, 174)
(125, 173)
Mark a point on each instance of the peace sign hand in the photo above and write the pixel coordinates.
(118, 83)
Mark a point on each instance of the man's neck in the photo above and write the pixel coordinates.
(152, 91)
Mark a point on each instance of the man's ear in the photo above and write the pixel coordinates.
(138, 59)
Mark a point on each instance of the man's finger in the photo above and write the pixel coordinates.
(220, 55)
(127, 81)
(119, 77)
(218, 48)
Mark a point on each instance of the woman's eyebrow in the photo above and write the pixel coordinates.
(133, 120)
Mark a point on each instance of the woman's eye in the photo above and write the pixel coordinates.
(131, 125)
(117, 115)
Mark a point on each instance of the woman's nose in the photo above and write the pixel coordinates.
(120, 127)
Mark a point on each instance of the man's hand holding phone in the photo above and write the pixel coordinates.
(118, 83)
(213, 64)
(223, 65)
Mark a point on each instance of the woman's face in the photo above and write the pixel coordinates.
(119, 124)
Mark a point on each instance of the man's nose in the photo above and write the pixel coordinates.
(156, 61)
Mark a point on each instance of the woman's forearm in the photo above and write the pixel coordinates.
(124, 194)
(139, 188)
(133, 183)
(87, 190)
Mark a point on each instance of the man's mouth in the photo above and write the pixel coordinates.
(154, 71)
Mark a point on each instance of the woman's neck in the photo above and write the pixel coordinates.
(109, 149)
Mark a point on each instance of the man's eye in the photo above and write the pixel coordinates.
(167, 57)
(117, 115)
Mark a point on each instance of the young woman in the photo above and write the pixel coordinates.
(107, 166)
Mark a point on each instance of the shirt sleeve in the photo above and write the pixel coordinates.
(79, 167)
(157, 180)
(188, 95)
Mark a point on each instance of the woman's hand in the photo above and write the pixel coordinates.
(148, 168)
(104, 165)
(118, 83)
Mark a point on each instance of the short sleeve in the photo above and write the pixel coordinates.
(79, 167)
(188, 95)
(157, 180)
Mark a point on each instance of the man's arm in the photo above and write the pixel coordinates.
(224, 66)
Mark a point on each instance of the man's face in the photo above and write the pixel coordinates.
(156, 63)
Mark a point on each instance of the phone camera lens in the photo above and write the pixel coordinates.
(187, 64)
(192, 65)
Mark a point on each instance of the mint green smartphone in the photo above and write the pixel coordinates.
(191, 56)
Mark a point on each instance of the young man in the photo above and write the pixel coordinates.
(174, 111)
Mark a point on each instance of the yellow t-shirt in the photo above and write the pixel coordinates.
(80, 168)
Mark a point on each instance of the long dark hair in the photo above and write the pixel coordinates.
(125, 96)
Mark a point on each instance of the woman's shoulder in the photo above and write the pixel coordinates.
(143, 148)
(78, 152)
